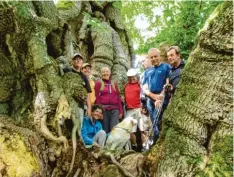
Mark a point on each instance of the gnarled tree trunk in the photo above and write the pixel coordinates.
(37, 42)
(196, 139)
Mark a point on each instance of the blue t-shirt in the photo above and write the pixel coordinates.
(156, 77)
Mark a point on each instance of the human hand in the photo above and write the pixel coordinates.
(122, 98)
(157, 103)
(169, 87)
(96, 145)
(120, 116)
(156, 96)
(147, 92)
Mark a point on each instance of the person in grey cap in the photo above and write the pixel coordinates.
(77, 62)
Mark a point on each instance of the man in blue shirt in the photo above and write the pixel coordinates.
(177, 64)
(154, 80)
(92, 132)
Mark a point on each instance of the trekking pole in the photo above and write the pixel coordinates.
(147, 141)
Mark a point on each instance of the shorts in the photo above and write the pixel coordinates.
(146, 122)
(136, 114)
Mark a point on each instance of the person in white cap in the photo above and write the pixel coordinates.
(132, 99)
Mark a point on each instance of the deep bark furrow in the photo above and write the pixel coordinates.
(200, 110)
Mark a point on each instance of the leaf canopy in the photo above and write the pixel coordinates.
(170, 22)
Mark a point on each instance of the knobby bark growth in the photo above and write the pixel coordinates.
(37, 41)
(197, 130)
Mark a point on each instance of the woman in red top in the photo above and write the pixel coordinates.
(107, 94)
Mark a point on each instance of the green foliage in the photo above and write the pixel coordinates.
(174, 23)
(117, 4)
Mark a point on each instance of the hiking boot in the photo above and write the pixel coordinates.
(134, 147)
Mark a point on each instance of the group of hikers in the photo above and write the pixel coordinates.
(145, 97)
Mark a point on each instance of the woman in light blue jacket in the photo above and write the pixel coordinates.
(92, 131)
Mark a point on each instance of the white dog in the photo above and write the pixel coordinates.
(120, 134)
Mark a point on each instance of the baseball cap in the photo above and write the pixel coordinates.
(131, 72)
(86, 64)
(77, 55)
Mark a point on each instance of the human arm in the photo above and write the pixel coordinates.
(84, 132)
(122, 98)
(97, 91)
(119, 102)
(88, 106)
(150, 94)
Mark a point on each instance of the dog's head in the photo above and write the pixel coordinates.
(128, 123)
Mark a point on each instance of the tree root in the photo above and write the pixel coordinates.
(74, 142)
(121, 168)
(77, 172)
(113, 160)
(48, 135)
(40, 115)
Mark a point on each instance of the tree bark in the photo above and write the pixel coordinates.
(196, 139)
(36, 100)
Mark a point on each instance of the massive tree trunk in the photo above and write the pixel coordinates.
(37, 42)
(196, 139)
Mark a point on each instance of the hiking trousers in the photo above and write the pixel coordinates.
(110, 119)
(100, 138)
(153, 112)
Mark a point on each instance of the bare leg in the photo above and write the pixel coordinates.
(143, 137)
(133, 138)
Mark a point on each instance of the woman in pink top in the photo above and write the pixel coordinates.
(107, 94)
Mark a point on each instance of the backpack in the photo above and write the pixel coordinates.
(103, 85)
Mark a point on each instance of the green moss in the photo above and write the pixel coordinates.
(173, 141)
(22, 8)
(65, 5)
(221, 160)
(4, 108)
(73, 86)
(192, 93)
(18, 159)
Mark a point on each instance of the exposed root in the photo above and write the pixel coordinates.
(121, 168)
(40, 115)
(48, 135)
(113, 160)
(54, 172)
(74, 142)
(77, 172)
(125, 153)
